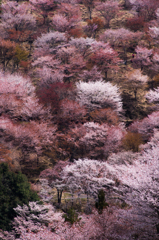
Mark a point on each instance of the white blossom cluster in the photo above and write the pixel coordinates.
(99, 94)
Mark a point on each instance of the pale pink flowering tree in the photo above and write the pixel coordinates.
(89, 175)
(83, 45)
(18, 98)
(43, 7)
(33, 136)
(131, 179)
(95, 139)
(153, 95)
(145, 8)
(155, 63)
(69, 10)
(141, 177)
(121, 38)
(92, 75)
(49, 76)
(146, 126)
(154, 33)
(35, 221)
(137, 80)
(101, 140)
(67, 18)
(143, 57)
(113, 142)
(17, 16)
(104, 57)
(54, 173)
(47, 43)
(48, 69)
(108, 10)
(60, 23)
(72, 62)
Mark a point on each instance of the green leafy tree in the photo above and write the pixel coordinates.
(20, 55)
(101, 203)
(71, 216)
(14, 190)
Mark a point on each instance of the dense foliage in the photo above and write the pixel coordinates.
(14, 190)
(79, 116)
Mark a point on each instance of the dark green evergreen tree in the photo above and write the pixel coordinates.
(14, 190)
(101, 203)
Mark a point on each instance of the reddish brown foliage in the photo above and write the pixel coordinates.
(76, 32)
(97, 21)
(25, 65)
(54, 173)
(132, 141)
(105, 115)
(70, 113)
(135, 24)
(52, 95)
(5, 156)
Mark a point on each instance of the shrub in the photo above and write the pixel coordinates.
(71, 216)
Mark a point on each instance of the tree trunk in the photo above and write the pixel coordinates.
(135, 92)
(90, 12)
(106, 74)
(59, 195)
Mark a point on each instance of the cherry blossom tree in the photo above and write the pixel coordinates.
(83, 45)
(141, 178)
(99, 94)
(121, 38)
(55, 173)
(48, 42)
(155, 64)
(83, 172)
(18, 98)
(33, 219)
(70, 112)
(101, 140)
(137, 80)
(17, 16)
(90, 4)
(72, 62)
(146, 126)
(67, 18)
(104, 57)
(108, 10)
(145, 8)
(60, 23)
(153, 95)
(44, 7)
(92, 75)
(143, 57)
(69, 10)
(32, 137)
(154, 33)
(48, 69)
